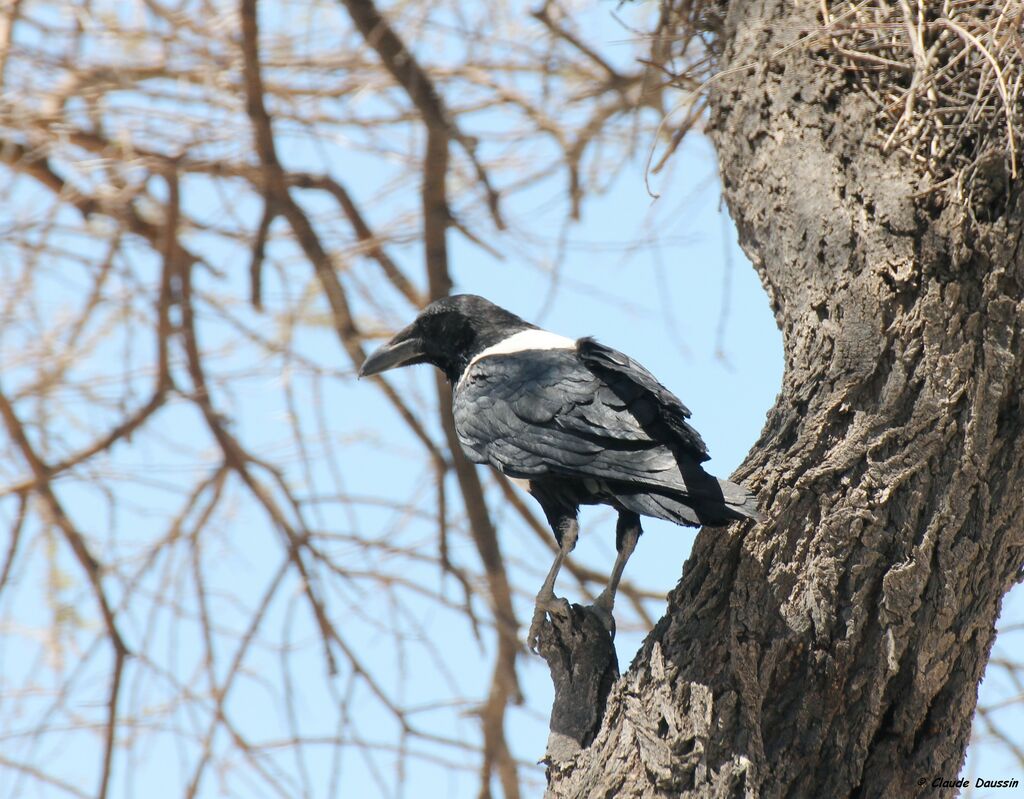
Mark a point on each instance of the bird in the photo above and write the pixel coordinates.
(571, 421)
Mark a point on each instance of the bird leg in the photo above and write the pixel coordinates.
(627, 533)
(547, 602)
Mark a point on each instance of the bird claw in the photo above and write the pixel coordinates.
(556, 606)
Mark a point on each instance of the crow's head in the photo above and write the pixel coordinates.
(447, 334)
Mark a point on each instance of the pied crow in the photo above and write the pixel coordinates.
(570, 420)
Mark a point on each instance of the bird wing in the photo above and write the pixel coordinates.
(585, 412)
(623, 374)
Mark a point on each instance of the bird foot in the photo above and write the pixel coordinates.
(554, 605)
(602, 608)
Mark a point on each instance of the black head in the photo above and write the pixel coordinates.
(447, 334)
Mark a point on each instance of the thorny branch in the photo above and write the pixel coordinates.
(112, 166)
(197, 210)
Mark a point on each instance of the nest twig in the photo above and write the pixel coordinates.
(947, 77)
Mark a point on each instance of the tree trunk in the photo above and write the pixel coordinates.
(836, 649)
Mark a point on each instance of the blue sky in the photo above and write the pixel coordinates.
(661, 280)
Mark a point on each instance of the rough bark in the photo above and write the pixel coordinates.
(836, 649)
(584, 665)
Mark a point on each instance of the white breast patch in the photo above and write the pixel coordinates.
(522, 341)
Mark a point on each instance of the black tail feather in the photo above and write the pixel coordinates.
(716, 506)
(660, 506)
(740, 500)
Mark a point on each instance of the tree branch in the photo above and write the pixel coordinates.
(407, 72)
(89, 564)
(584, 666)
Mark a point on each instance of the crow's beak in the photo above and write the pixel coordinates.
(397, 352)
